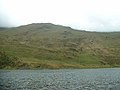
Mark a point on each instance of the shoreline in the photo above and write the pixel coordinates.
(59, 68)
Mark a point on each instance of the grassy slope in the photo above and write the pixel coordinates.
(53, 46)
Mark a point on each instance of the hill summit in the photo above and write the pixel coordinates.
(45, 45)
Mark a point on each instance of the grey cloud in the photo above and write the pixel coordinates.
(104, 23)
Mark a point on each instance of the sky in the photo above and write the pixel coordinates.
(89, 15)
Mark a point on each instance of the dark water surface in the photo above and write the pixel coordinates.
(63, 79)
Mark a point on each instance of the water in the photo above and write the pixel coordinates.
(63, 79)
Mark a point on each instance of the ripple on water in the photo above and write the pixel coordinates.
(64, 79)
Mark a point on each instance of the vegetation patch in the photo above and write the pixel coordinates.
(53, 46)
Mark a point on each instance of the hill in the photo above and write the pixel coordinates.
(45, 45)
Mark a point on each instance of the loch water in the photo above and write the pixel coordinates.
(61, 79)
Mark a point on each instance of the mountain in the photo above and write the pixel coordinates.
(45, 45)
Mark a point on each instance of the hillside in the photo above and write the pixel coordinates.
(46, 45)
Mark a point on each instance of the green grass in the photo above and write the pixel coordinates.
(53, 46)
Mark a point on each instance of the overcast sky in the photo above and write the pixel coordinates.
(90, 15)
